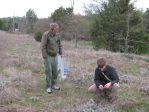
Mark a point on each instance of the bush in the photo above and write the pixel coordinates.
(1, 24)
(38, 36)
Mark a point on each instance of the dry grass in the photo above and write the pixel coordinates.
(23, 78)
(8, 92)
(16, 108)
(9, 95)
(22, 66)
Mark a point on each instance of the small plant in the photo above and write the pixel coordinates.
(38, 36)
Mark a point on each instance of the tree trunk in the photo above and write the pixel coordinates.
(128, 30)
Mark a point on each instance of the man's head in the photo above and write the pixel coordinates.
(54, 28)
(101, 64)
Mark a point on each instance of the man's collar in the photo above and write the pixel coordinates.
(51, 34)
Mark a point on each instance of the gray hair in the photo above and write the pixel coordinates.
(53, 25)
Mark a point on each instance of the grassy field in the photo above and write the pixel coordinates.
(22, 78)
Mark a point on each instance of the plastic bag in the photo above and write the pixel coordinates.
(62, 70)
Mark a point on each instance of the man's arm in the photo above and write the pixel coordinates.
(59, 46)
(97, 78)
(44, 46)
(115, 76)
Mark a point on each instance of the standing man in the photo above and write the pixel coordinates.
(106, 80)
(51, 47)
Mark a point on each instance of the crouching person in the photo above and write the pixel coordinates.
(106, 80)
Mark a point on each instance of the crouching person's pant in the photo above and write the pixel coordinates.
(110, 92)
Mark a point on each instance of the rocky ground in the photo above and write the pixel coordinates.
(22, 79)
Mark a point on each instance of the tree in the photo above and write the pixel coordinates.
(62, 16)
(109, 24)
(146, 20)
(138, 34)
(72, 4)
(117, 25)
(31, 18)
(8, 24)
(1, 24)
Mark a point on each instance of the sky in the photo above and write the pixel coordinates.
(44, 8)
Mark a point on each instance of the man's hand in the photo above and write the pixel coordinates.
(108, 85)
(62, 55)
(101, 87)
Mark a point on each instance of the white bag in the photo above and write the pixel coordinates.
(61, 75)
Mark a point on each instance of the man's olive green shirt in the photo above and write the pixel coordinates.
(50, 45)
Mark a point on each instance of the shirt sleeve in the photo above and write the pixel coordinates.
(115, 78)
(44, 46)
(59, 46)
(97, 78)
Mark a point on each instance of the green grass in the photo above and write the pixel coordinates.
(66, 97)
(135, 107)
(147, 60)
(1, 70)
(131, 100)
(39, 70)
(71, 94)
(131, 69)
(85, 43)
(41, 81)
(20, 49)
(34, 99)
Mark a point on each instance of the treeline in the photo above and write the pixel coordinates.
(24, 24)
(114, 25)
(72, 26)
(6, 24)
(119, 26)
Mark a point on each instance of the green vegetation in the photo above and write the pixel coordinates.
(147, 59)
(62, 16)
(118, 26)
(131, 69)
(26, 74)
(114, 25)
(64, 98)
(86, 43)
(132, 101)
(1, 70)
(20, 49)
(1, 24)
(38, 36)
(5, 24)
(31, 18)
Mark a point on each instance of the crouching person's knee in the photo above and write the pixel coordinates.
(116, 85)
(92, 88)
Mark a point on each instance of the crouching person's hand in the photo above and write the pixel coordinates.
(101, 87)
(108, 85)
